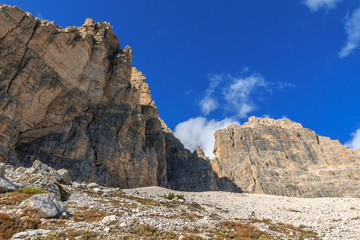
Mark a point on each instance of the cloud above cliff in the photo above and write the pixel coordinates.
(208, 103)
(236, 96)
(316, 5)
(239, 94)
(352, 28)
(231, 94)
(355, 141)
(200, 132)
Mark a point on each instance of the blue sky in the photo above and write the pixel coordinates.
(210, 63)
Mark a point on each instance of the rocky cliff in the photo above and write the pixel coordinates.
(71, 99)
(283, 158)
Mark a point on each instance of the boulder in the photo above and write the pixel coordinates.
(43, 183)
(65, 177)
(45, 171)
(6, 185)
(42, 206)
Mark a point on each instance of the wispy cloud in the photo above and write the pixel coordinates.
(200, 132)
(316, 5)
(352, 28)
(208, 103)
(238, 94)
(355, 141)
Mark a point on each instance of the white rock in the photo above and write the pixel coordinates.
(65, 176)
(123, 224)
(97, 190)
(107, 229)
(76, 185)
(30, 234)
(6, 185)
(92, 185)
(108, 219)
(44, 205)
(46, 171)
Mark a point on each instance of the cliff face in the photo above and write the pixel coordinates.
(283, 158)
(71, 99)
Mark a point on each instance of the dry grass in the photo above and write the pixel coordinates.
(11, 225)
(91, 215)
(239, 230)
(143, 201)
(71, 235)
(289, 230)
(149, 232)
(21, 194)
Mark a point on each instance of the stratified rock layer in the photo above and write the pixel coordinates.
(283, 158)
(71, 99)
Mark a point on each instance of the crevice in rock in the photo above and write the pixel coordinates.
(20, 66)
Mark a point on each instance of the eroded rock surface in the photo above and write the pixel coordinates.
(283, 158)
(71, 99)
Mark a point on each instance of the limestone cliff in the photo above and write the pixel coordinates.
(283, 158)
(71, 99)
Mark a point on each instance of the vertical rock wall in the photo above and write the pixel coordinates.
(283, 158)
(71, 99)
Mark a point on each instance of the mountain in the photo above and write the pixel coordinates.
(281, 157)
(71, 98)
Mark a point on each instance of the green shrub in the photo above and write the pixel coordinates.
(170, 196)
(180, 197)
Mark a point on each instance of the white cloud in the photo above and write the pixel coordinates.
(208, 103)
(355, 141)
(352, 27)
(238, 94)
(315, 5)
(200, 132)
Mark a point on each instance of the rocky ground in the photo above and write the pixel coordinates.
(90, 211)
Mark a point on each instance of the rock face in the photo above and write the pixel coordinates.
(283, 158)
(71, 99)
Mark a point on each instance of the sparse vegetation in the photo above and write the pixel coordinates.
(170, 196)
(180, 197)
(90, 215)
(71, 235)
(143, 201)
(11, 225)
(139, 231)
(19, 195)
(238, 230)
